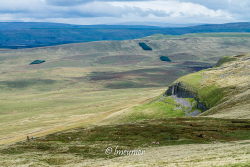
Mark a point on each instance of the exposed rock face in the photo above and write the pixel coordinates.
(201, 106)
(181, 91)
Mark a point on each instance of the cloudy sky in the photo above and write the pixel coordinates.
(126, 11)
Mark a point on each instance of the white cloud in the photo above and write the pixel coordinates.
(174, 8)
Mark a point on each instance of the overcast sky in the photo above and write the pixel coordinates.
(126, 11)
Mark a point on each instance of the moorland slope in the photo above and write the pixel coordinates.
(70, 88)
(223, 90)
(184, 141)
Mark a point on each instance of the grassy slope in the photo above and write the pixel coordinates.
(218, 35)
(224, 89)
(78, 146)
(73, 84)
(156, 108)
(73, 90)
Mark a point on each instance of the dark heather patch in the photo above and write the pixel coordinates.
(26, 83)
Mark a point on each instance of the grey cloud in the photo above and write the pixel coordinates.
(239, 8)
(96, 10)
(41, 10)
(79, 2)
(66, 2)
(228, 5)
(212, 4)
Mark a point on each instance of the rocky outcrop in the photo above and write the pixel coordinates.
(181, 91)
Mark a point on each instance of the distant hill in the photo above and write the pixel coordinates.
(28, 34)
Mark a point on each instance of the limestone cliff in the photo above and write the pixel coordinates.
(178, 89)
(222, 91)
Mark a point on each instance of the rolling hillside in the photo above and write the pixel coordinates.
(174, 139)
(27, 34)
(223, 90)
(70, 88)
